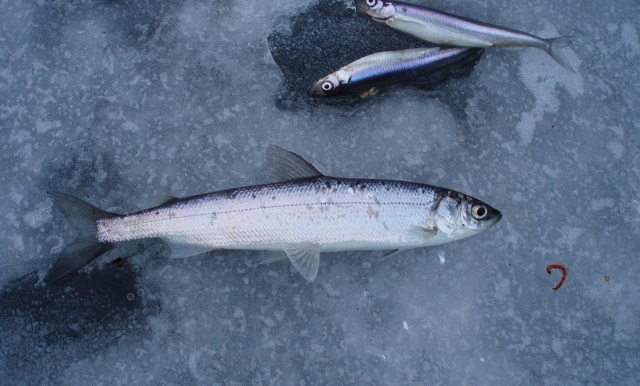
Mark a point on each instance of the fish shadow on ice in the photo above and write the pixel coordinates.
(61, 324)
(329, 35)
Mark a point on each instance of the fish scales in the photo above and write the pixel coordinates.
(338, 214)
(384, 69)
(391, 65)
(443, 28)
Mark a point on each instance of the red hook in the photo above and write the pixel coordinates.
(564, 274)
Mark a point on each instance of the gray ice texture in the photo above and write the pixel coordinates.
(120, 102)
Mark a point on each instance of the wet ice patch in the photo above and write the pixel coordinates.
(544, 78)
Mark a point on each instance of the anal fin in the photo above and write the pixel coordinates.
(272, 258)
(179, 249)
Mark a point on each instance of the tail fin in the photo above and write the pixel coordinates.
(555, 50)
(85, 248)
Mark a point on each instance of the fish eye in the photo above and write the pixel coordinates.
(479, 212)
(327, 86)
(371, 3)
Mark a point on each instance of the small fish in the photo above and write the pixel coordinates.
(304, 214)
(449, 30)
(367, 75)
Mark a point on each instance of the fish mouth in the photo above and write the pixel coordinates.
(497, 216)
(316, 91)
(380, 18)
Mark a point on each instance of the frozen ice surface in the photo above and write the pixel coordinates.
(119, 102)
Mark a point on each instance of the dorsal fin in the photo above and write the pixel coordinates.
(283, 165)
(165, 200)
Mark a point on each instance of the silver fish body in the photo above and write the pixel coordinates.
(307, 214)
(450, 30)
(389, 68)
(337, 214)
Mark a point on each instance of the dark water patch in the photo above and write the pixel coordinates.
(45, 329)
(84, 172)
(135, 22)
(329, 35)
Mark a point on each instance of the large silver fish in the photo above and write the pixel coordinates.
(449, 30)
(369, 74)
(304, 214)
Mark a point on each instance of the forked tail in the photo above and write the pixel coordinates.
(555, 48)
(85, 248)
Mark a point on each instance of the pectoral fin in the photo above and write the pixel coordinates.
(305, 257)
(369, 93)
(390, 253)
(427, 233)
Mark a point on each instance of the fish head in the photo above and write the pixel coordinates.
(325, 87)
(378, 10)
(332, 85)
(458, 216)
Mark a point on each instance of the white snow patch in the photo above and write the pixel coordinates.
(570, 235)
(556, 345)
(15, 196)
(38, 216)
(317, 347)
(130, 126)
(630, 38)
(238, 313)
(602, 203)
(44, 126)
(18, 243)
(441, 256)
(195, 20)
(543, 76)
(502, 288)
